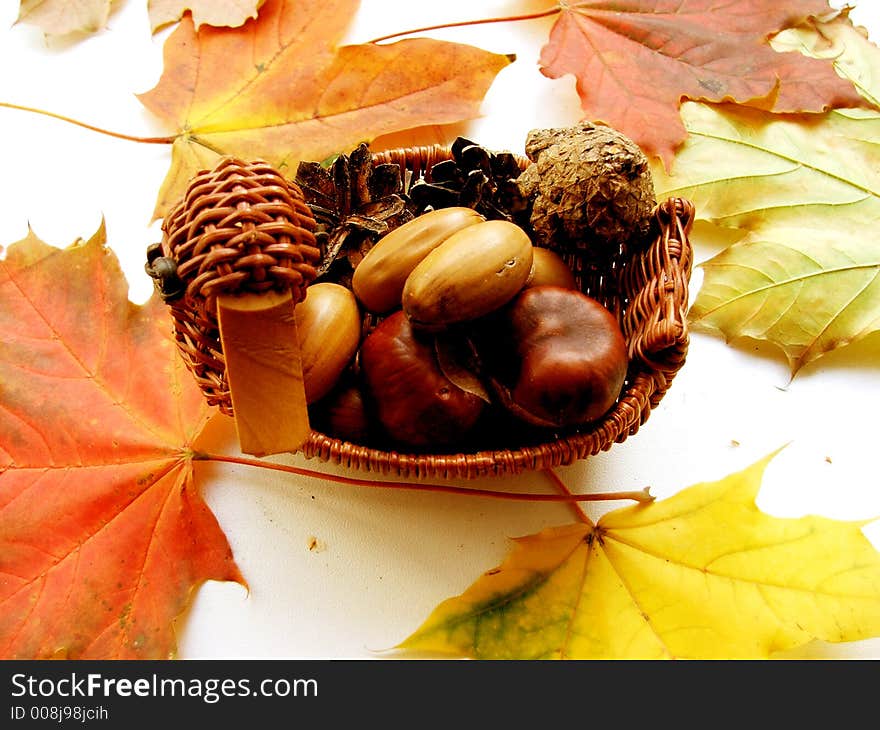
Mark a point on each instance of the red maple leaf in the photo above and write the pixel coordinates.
(635, 60)
(103, 536)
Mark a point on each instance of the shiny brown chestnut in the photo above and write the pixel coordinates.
(554, 357)
(412, 398)
(342, 414)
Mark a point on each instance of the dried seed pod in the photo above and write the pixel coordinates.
(475, 177)
(472, 273)
(354, 203)
(414, 400)
(589, 187)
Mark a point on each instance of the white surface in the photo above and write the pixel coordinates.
(384, 559)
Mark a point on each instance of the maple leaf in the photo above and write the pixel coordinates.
(229, 13)
(279, 88)
(635, 61)
(703, 574)
(103, 537)
(846, 46)
(60, 17)
(807, 191)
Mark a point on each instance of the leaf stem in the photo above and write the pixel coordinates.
(642, 495)
(461, 23)
(639, 495)
(561, 486)
(84, 125)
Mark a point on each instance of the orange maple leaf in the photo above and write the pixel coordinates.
(103, 536)
(281, 89)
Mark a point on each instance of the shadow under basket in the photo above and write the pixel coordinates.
(645, 284)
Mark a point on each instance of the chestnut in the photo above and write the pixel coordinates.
(554, 357)
(413, 399)
(342, 413)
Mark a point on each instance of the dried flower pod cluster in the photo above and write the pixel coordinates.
(354, 203)
(588, 187)
(475, 178)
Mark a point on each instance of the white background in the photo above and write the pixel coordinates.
(381, 560)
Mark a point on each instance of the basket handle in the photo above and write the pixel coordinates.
(661, 339)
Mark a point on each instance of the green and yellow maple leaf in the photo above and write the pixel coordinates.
(702, 574)
(807, 190)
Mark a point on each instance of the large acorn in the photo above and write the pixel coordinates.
(329, 324)
(473, 272)
(380, 276)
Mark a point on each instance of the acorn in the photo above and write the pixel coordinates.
(549, 269)
(416, 403)
(379, 278)
(473, 272)
(328, 322)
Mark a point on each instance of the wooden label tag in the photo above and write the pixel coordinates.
(264, 369)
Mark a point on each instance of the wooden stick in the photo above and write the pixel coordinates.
(264, 368)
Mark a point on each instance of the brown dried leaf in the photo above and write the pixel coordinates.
(60, 17)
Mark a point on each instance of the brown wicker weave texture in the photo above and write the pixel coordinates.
(241, 227)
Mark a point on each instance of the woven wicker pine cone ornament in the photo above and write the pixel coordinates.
(241, 227)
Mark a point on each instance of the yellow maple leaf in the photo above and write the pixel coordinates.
(281, 89)
(701, 575)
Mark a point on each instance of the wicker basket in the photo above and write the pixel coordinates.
(645, 285)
